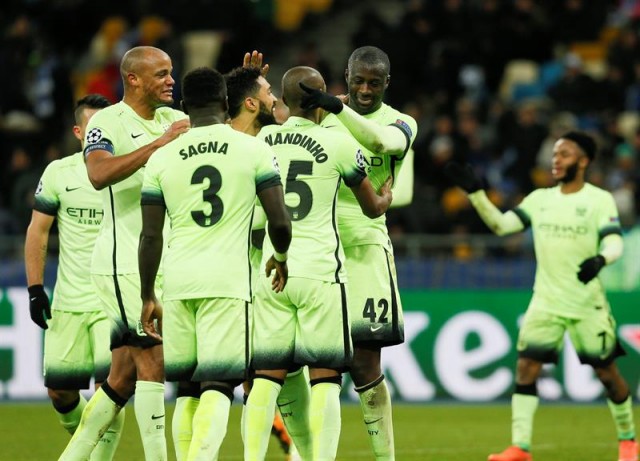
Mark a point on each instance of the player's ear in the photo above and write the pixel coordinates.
(346, 76)
(77, 132)
(387, 81)
(250, 103)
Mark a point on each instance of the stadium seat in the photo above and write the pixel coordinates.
(518, 72)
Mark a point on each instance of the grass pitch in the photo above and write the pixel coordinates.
(456, 432)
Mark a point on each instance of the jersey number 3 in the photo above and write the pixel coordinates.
(208, 172)
(301, 188)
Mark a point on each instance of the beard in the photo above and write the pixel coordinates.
(569, 173)
(265, 116)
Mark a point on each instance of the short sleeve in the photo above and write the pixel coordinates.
(352, 163)
(151, 188)
(267, 169)
(47, 199)
(99, 134)
(409, 128)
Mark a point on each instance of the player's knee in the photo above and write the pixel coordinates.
(62, 398)
(527, 371)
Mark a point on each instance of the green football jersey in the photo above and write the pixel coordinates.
(65, 192)
(119, 130)
(314, 163)
(567, 229)
(208, 179)
(355, 228)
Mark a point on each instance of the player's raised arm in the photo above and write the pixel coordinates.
(500, 223)
(383, 140)
(104, 168)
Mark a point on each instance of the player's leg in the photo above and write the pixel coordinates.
(323, 341)
(596, 343)
(179, 346)
(99, 331)
(222, 337)
(293, 405)
(103, 407)
(273, 349)
(376, 321)
(539, 340)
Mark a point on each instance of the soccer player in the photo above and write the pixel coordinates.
(251, 107)
(374, 302)
(119, 141)
(76, 336)
(576, 233)
(207, 182)
(308, 323)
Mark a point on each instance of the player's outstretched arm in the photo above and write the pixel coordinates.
(373, 204)
(610, 250)
(149, 256)
(35, 256)
(500, 223)
(105, 169)
(279, 231)
(383, 140)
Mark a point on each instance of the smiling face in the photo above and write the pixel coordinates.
(152, 76)
(568, 160)
(366, 84)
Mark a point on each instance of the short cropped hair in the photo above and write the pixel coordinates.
(90, 101)
(242, 82)
(203, 86)
(584, 142)
(371, 56)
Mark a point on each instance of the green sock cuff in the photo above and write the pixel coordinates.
(149, 386)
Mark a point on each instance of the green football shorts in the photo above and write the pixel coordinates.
(373, 298)
(306, 324)
(76, 347)
(206, 339)
(593, 337)
(120, 297)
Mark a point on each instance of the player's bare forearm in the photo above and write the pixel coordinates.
(371, 203)
(35, 247)
(278, 220)
(149, 255)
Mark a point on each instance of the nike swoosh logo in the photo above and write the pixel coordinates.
(157, 417)
(374, 421)
(134, 136)
(71, 189)
(286, 403)
(374, 329)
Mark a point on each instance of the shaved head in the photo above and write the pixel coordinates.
(136, 59)
(291, 92)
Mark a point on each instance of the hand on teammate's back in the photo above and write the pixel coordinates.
(385, 189)
(176, 129)
(39, 306)
(590, 267)
(316, 98)
(279, 279)
(463, 176)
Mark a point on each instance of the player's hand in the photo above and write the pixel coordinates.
(463, 176)
(151, 318)
(316, 98)
(39, 306)
(385, 189)
(590, 267)
(279, 280)
(254, 59)
(176, 129)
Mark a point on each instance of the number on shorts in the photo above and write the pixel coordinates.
(369, 311)
(301, 188)
(212, 174)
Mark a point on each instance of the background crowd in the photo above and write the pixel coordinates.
(491, 82)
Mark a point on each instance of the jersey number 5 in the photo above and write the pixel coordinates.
(300, 188)
(214, 178)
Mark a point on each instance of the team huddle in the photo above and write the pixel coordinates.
(235, 251)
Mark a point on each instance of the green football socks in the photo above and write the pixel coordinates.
(523, 408)
(293, 403)
(209, 426)
(70, 418)
(108, 444)
(376, 409)
(149, 409)
(324, 419)
(259, 411)
(182, 425)
(623, 418)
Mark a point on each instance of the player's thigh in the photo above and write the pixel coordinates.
(120, 296)
(274, 327)
(99, 327)
(323, 338)
(179, 339)
(374, 302)
(222, 337)
(68, 355)
(541, 335)
(594, 338)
